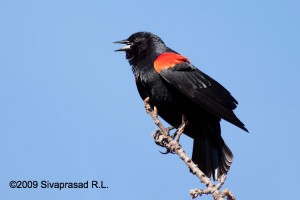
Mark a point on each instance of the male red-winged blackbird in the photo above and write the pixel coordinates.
(178, 89)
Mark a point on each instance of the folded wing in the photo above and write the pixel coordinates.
(202, 90)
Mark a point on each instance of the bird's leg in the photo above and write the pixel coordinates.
(174, 135)
(169, 129)
(161, 142)
(181, 128)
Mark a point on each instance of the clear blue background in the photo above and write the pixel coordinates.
(69, 109)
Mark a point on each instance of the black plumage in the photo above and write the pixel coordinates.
(178, 89)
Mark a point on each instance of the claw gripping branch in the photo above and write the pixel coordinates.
(163, 138)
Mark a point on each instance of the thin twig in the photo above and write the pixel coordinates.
(163, 138)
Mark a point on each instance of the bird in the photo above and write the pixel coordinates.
(179, 90)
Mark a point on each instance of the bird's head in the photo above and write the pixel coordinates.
(140, 45)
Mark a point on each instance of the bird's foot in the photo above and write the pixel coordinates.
(162, 141)
(159, 140)
(180, 130)
(167, 152)
(170, 128)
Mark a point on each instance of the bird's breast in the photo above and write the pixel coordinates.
(151, 84)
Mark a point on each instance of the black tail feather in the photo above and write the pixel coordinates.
(211, 153)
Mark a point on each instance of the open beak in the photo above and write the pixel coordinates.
(125, 48)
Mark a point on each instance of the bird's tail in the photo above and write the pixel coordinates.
(210, 152)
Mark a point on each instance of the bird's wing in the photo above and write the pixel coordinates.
(198, 87)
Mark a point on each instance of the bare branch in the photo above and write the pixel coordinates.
(163, 138)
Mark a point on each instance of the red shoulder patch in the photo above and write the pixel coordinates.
(168, 60)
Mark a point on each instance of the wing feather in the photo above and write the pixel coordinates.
(203, 90)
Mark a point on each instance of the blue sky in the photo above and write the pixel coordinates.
(69, 109)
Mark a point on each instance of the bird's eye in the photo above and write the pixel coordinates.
(138, 40)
